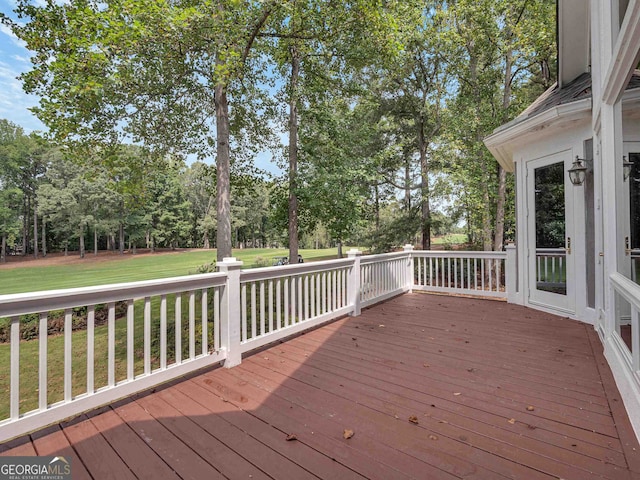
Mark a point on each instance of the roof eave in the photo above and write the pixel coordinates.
(503, 141)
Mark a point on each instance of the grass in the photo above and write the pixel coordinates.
(451, 239)
(125, 269)
(130, 268)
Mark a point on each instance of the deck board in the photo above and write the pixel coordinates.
(466, 368)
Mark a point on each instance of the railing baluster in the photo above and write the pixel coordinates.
(262, 309)
(300, 300)
(163, 332)
(178, 325)
(42, 367)
(334, 292)
(278, 305)
(147, 335)
(455, 273)
(204, 313)
(192, 325)
(216, 319)
(243, 314)
(91, 321)
(111, 344)
(271, 306)
(286, 301)
(292, 301)
(130, 340)
(14, 408)
(306, 297)
(323, 302)
(254, 315)
(68, 354)
(312, 294)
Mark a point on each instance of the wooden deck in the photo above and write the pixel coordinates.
(495, 391)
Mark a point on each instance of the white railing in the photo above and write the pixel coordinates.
(627, 313)
(550, 267)
(137, 335)
(472, 273)
(384, 276)
(277, 302)
(131, 337)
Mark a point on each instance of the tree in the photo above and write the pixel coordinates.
(157, 73)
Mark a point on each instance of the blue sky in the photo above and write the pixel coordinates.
(14, 60)
(15, 103)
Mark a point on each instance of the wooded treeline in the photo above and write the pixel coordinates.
(384, 105)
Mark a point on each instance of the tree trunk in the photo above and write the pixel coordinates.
(339, 248)
(377, 208)
(205, 242)
(498, 241)
(25, 226)
(293, 155)
(407, 185)
(82, 241)
(66, 248)
(121, 240)
(223, 187)
(95, 241)
(425, 223)
(3, 249)
(35, 230)
(44, 237)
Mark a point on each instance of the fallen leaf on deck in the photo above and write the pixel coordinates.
(433, 437)
(347, 434)
(457, 393)
(426, 365)
(381, 325)
(530, 408)
(291, 437)
(512, 421)
(413, 419)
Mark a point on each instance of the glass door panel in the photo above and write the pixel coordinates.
(550, 229)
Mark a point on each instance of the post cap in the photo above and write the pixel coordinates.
(408, 247)
(354, 252)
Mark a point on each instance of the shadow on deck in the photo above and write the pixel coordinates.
(494, 391)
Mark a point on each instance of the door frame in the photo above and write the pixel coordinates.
(548, 300)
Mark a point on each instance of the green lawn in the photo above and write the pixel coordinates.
(452, 239)
(130, 268)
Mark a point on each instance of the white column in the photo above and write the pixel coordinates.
(410, 268)
(511, 275)
(230, 312)
(353, 282)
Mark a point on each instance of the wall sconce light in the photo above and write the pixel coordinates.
(626, 168)
(577, 172)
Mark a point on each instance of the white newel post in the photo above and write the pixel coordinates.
(354, 284)
(230, 312)
(409, 280)
(511, 275)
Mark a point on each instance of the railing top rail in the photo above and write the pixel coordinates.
(629, 290)
(459, 254)
(266, 273)
(551, 250)
(43, 301)
(381, 257)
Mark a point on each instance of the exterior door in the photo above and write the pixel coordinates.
(632, 213)
(550, 227)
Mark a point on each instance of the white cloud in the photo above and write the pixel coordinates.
(7, 31)
(20, 58)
